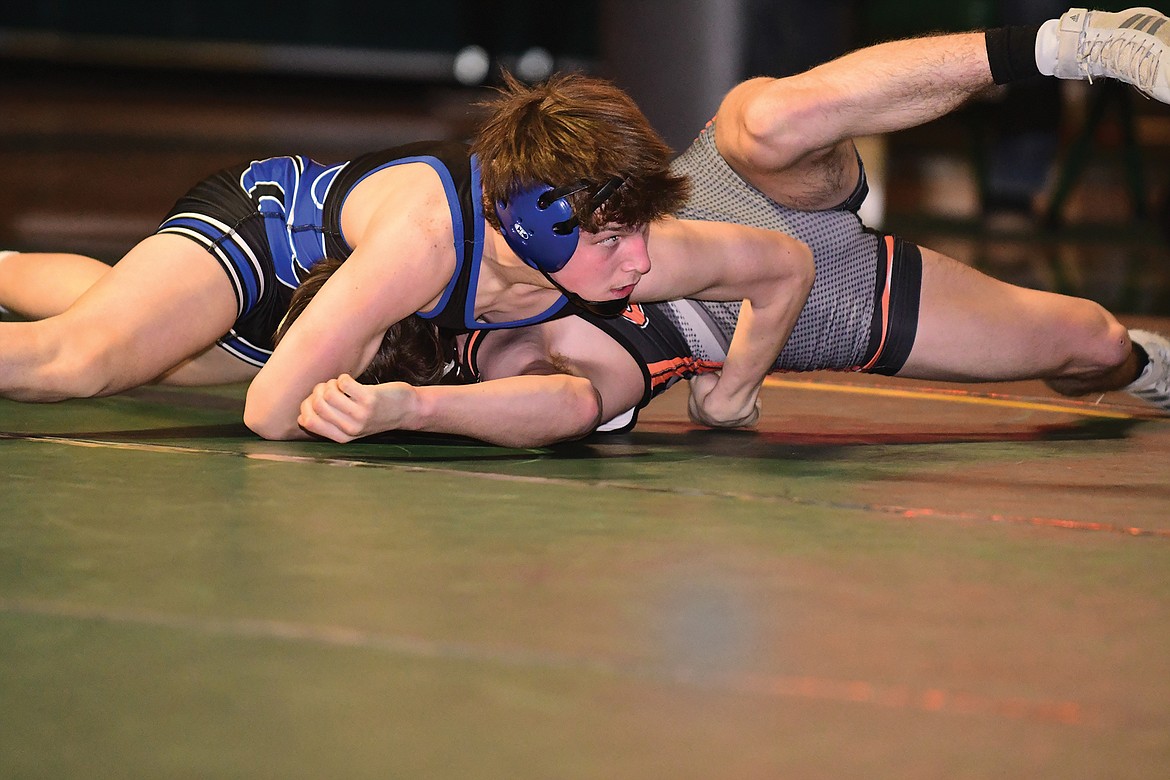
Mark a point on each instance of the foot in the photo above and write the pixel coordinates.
(1127, 46)
(1154, 383)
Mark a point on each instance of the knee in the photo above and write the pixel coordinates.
(79, 367)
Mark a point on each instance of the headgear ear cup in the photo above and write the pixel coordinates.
(540, 225)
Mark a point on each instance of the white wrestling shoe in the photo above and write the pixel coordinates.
(1127, 46)
(1154, 383)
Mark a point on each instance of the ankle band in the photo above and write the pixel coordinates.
(1011, 53)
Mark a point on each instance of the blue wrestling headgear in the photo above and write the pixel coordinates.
(540, 225)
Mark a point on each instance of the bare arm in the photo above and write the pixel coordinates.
(385, 279)
(543, 384)
(518, 411)
(770, 271)
(784, 135)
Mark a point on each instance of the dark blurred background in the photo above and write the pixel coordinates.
(108, 114)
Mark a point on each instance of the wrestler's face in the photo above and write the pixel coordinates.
(606, 264)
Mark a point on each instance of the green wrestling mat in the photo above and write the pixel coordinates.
(886, 580)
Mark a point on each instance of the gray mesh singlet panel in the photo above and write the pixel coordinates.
(705, 327)
(833, 329)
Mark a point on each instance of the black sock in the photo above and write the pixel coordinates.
(1011, 52)
(1143, 357)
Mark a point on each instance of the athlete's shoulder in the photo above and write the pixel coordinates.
(453, 155)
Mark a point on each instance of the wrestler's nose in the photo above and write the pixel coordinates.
(637, 257)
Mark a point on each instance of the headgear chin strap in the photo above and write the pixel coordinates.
(608, 309)
(541, 226)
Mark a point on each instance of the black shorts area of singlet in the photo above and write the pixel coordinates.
(219, 215)
(895, 311)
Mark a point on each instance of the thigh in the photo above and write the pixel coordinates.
(166, 301)
(213, 366)
(37, 285)
(975, 328)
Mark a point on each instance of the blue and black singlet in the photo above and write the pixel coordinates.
(268, 222)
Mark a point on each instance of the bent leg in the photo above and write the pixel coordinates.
(212, 366)
(973, 328)
(164, 302)
(37, 285)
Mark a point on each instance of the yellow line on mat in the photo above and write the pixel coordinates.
(948, 395)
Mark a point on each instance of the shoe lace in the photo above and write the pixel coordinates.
(1129, 58)
(1157, 375)
(1161, 384)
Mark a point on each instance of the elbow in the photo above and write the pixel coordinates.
(586, 408)
(581, 410)
(804, 267)
(262, 420)
(578, 414)
(272, 430)
(792, 268)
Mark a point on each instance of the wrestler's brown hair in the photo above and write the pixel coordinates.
(412, 350)
(575, 128)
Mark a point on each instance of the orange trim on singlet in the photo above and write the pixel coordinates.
(470, 347)
(665, 370)
(885, 304)
(636, 314)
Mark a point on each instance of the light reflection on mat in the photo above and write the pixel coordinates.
(1070, 406)
(931, 700)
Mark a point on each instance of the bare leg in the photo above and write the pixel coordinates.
(163, 303)
(974, 328)
(213, 366)
(36, 285)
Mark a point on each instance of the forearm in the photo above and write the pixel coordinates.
(520, 411)
(273, 403)
(764, 325)
(770, 271)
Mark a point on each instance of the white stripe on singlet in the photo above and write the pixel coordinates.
(230, 233)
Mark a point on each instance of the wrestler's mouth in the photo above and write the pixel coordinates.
(624, 292)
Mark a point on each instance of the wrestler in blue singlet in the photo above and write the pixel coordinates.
(269, 221)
